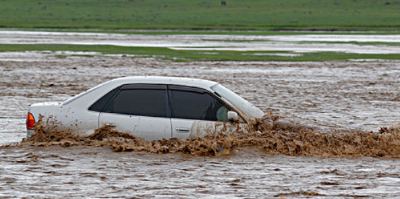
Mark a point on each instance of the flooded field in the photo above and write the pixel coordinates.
(335, 95)
(292, 43)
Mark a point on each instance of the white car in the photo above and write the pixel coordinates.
(149, 108)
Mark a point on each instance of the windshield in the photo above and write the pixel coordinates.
(249, 109)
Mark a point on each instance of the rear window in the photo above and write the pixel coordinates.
(102, 102)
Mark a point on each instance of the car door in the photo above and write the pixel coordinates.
(195, 112)
(139, 109)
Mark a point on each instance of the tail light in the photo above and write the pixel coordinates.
(30, 121)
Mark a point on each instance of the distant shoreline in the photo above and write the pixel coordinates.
(194, 46)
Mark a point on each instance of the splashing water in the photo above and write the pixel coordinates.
(268, 134)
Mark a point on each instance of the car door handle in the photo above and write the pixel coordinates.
(182, 130)
(110, 125)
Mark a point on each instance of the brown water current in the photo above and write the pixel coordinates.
(230, 165)
(267, 134)
(331, 131)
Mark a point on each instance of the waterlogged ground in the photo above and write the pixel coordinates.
(291, 43)
(353, 95)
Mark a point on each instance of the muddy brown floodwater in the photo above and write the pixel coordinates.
(353, 97)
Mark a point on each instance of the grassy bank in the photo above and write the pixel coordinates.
(188, 55)
(202, 14)
(204, 32)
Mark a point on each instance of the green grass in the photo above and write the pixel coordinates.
(202, 14)
(189, 55)
(315, 42)
(211, 32)
(354, 42)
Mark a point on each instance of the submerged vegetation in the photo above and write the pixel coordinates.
(193, 55)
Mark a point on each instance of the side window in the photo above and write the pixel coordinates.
(131, 100)
(102, 102)
(196, 105)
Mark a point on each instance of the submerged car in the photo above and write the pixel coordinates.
(149, 108)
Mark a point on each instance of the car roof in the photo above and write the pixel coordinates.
(206, 84)
(105, 87)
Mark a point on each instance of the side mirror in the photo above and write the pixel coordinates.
(233, 116)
